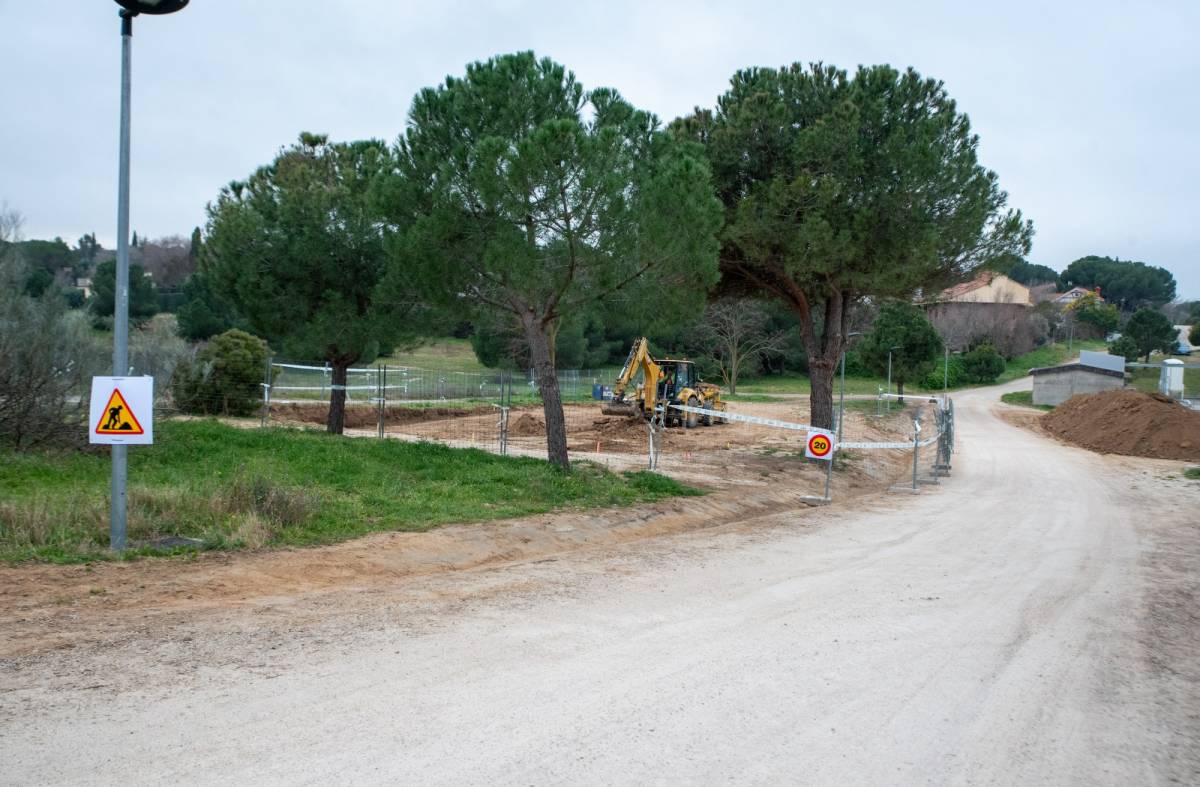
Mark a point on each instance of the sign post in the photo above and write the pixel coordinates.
(121, 414)
(820, 445)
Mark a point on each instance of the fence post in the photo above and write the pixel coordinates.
(266, 411)
(380, 378)
(505, 401)
(916, 453)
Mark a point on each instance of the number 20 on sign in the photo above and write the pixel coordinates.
(819, 445)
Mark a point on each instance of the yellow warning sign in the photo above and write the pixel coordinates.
(117, 417)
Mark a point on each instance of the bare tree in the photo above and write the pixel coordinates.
(734, 334)
(168, 260)
(10, 223)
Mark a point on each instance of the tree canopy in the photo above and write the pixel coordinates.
(143, 298)
(839, 188)
(1125, 283)
(1151, 332)
(520, 198)
(297, 250)
(1026, 272)
(902, 331)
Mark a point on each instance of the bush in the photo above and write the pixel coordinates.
(956, 377)
(47, 356)
(1125, 347)
(225, 377)
(155, 348)
(983, 363)
(1194, 335)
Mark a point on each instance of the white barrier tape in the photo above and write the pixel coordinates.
(324, 387)
(748, 419)
(892, 445)
(329, 369)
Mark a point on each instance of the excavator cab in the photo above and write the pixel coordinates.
(664, 383)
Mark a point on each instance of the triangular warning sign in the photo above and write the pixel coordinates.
(117, 417)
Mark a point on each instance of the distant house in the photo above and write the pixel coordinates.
(987, 287)
(85, 285)
(1074, 294)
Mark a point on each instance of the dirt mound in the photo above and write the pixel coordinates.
(526, 425)
(620, 426)
(358, 417)
(1128, 422)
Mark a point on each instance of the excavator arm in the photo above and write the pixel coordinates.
(639, 360)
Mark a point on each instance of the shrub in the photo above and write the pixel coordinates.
(1194, 335)
(225, 377)
(1125, 347)
(983, 363)
(956, 377)
(47, 356)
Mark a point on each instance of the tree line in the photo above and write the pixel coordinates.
(516, 199)
(550, 218)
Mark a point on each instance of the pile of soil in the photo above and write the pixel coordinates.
(1128, 422)
(358, 416)
(526, 425)
(620, 426)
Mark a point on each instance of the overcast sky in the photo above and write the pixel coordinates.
(1087, 111)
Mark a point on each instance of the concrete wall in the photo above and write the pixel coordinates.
(1056, 387)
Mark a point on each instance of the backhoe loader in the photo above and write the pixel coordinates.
(664, 383)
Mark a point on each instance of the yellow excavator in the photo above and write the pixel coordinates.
(664, 383)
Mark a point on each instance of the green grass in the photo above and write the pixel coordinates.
(1046, 355)
(796, 383)
(236, 488)
(1024, 399)
(1192, 473)
(1147, 379)
(446, 354)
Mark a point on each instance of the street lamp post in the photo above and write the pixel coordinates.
(889, 380)
(842, 391)
(120, 467)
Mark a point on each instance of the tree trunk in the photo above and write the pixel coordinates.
(537, 334)
(824, 351)
(820, 381)
(900, 392)
(337, 398)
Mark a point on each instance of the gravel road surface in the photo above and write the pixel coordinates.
(1031, 620)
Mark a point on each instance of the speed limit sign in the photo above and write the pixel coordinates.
(819, 445)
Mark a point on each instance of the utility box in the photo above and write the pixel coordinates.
(1170, 379)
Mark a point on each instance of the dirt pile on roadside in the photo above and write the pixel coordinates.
(1128, 422)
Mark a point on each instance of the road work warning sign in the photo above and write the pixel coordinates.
(819, 445)
(122, 411)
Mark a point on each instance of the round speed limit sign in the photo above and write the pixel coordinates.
(819, 446)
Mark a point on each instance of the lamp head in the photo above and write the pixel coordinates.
(152, 6)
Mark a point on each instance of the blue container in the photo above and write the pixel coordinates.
(598, 392)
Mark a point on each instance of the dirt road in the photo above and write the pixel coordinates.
(1032, 620)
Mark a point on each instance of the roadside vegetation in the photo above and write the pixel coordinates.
(231, 488)
(1023, 399)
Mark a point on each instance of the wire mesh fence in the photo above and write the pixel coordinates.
(502, 412)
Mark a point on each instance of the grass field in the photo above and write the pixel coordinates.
(438, 354)
(792, 383)
(245, 488)
(1024, 399)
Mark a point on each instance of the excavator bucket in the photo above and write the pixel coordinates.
(619, 408)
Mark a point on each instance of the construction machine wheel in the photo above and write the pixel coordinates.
(691, 420)
(707, 420)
